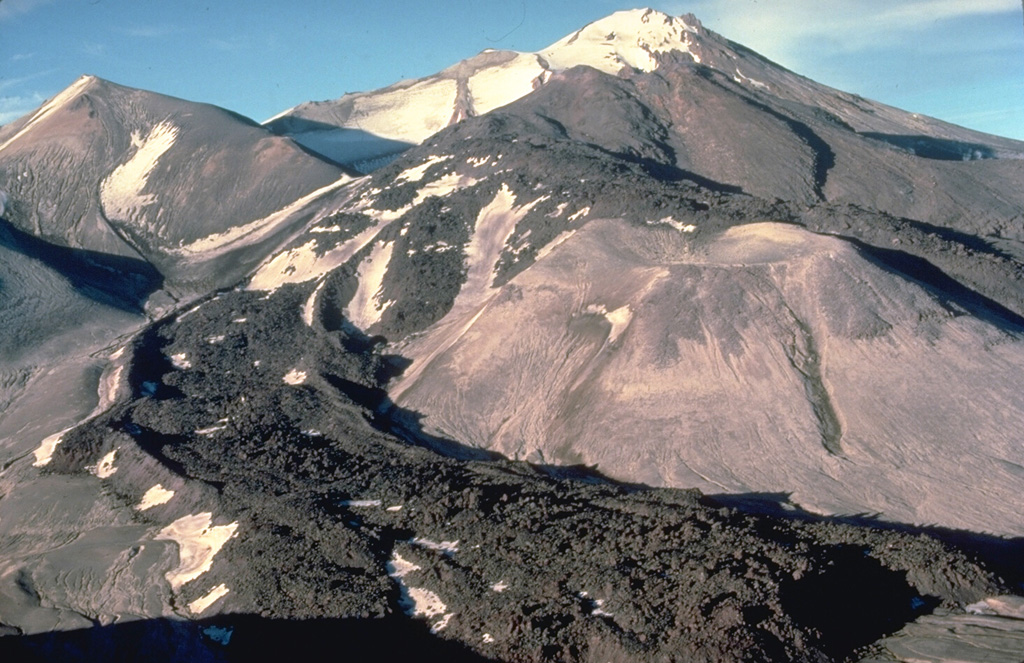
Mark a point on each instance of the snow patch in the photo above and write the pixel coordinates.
(417, 601)
(198, 543)
(559, 211)
(488, 638)
(294, 377)
(399, 567)
(740, 78)
(325, 229)
(366, 308)
(104, 469)
(302, 263)
(44, 454)
(619, 319)
(360, 503)
(678, 225)
(155, 496)
(579, 214)
(1002, 606)
(599, 610)
(309, 308)
(214, 340)
(180, 361)
(210, 430)
(3, 202)
(201, 604)
(499, 586)
(416, 173)
(121, 192)
(444, 186)
(447, 547)
(396, 507)
(109, 385)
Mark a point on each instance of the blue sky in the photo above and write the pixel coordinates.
(960, 60)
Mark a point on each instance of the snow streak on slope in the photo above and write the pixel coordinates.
(254, 231)
(121, 192)
(416, 173)
(628, 38)
(494, 226)
(366, 306)
(304, 263)
(309, 261)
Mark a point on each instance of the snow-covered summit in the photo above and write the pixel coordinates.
(408, 112)
(631, 38)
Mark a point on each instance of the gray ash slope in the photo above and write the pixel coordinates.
(188, 188)
(806, 320)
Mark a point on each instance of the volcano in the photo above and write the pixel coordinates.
(637, 347)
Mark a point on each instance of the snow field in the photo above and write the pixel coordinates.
(44, 454)
(417, 601)
(497, 86)
(155, 496)
(198, 543)
(625, 39)
(366, 308)
(104, 469)
(295, 377)
(408, 114)
(201, 604)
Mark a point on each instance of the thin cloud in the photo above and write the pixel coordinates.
(850, 25)
(150, 31)
(12, 8)
(11, 108)
(233, 44)
(923, 12)
(94, 49)
(7, 83)
(997, 114)
(19, 57)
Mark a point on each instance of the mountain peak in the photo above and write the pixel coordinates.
(631, 38)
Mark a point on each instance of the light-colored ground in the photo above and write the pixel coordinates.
(774, 360)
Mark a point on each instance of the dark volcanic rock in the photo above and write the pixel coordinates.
(340, 518)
